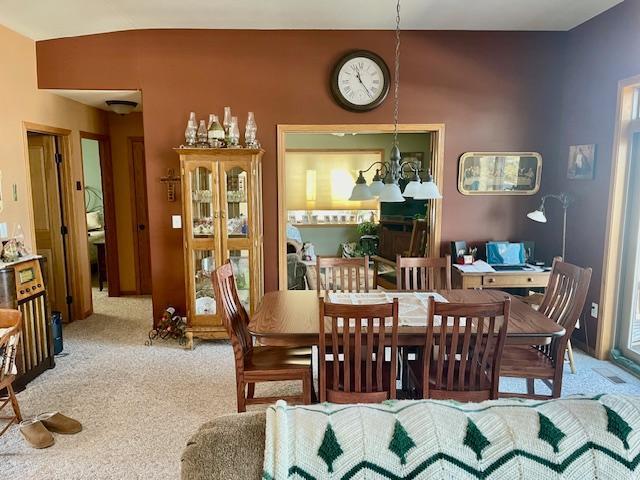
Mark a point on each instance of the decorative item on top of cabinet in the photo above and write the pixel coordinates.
(222, 211)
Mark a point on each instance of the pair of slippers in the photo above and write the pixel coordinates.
(38, 431)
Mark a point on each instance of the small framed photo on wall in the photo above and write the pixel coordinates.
(582, 162)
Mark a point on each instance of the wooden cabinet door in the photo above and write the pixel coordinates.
(202, 238)
(237, 212)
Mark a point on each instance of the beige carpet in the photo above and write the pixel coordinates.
(138, 404)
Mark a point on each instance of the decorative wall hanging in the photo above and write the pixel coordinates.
(582, 162)
(499, 173)
(171, 180)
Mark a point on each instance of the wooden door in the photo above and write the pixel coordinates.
(141, 217)
(47, 216)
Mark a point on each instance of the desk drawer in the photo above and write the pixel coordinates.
(514, 281)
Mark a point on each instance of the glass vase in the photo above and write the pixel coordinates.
(234, 133)
(250, 132)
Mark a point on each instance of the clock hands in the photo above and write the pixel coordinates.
(362, 83)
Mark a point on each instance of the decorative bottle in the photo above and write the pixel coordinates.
(234, 133)
(202, 134)
(250, 132)
(218, 132)
(190, 131)
(226, 122)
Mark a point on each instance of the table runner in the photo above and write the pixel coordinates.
(412, 306)
(572, 438)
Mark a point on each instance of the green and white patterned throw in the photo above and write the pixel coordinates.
(572, 438)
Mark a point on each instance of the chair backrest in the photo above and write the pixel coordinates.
(564, 300)
(463, 348)
(419, 237)
(233, 314)
(335, 274)
(358, 335)
(10, 328)
(423, 273)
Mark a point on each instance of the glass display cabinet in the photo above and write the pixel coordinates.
(222, 220)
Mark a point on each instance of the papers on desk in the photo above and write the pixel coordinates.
(479, 266)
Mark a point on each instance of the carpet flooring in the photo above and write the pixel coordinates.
(140, 404)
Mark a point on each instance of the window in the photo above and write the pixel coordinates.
(319, 184)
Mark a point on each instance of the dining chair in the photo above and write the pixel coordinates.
(336, 274)
(10, 326)
(255, 364)
(423, 273)
(563, 302)
(462, 361)
(359, 369)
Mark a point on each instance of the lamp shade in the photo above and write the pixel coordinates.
(376, 188)
(537, 216)
(391, 193)
(360, 191)
(428, 191)
(412, 188)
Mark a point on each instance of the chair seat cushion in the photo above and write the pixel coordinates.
(278, 358)
(525, 361)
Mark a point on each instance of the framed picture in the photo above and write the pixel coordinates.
(499, 173)
(582, 162)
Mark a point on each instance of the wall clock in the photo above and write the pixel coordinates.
(360, 81)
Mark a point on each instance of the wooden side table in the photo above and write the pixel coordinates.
(499, 280)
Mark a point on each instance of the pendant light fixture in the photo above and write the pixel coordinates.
(387, 187)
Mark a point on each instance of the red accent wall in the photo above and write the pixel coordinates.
(599, 54)
(492, 90)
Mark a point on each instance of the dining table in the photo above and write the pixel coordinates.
(290, 317)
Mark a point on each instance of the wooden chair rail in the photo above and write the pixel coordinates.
(343, 274)
(423, 273)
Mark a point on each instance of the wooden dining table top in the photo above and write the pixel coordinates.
(290, 318)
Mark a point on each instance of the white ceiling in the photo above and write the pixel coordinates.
(97, 98)
(42, 20)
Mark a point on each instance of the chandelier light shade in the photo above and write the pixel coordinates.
(360, 190)
(376, 188)
(428, 191)
(391, 193)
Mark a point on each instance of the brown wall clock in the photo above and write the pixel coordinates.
(360, 81)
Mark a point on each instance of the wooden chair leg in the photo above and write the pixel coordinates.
(572, 364)
(242, 403)
(307, 388)
(531, 389)
(14, 403)
(251, 389)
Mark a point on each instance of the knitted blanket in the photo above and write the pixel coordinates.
(572, 438)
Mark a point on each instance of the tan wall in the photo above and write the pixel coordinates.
(121, 127)
(21, 102)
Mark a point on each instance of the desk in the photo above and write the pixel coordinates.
(504, 279)
(290, 318)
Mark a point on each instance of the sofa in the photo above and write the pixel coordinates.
(231, 447)
(571, 438)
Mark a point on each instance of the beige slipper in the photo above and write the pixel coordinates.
(58, 423)
(35, 433)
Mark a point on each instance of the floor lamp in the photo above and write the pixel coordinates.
(539, 216)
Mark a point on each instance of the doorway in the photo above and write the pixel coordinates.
(100, 212)
(317, 168)
(50, 219)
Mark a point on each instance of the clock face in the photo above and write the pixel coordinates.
(360, 81)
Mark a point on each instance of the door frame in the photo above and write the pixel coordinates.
(109, 204)
(75, 273)
(437, 167)
(612, 261)
(134, 210)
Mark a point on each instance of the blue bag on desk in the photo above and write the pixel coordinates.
(505, 253)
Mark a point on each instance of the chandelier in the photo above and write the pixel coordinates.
(385, 184)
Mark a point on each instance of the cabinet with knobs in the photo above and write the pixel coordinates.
(222, 212)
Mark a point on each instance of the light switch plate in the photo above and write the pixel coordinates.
(4, 231)
(176, 221)
(594, 310)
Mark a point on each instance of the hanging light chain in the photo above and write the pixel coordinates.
(396, 86)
